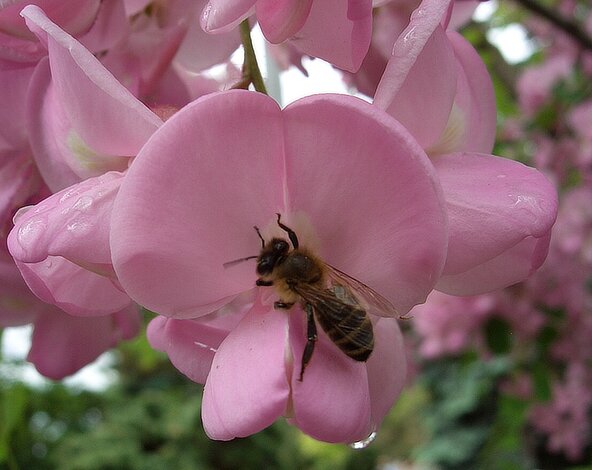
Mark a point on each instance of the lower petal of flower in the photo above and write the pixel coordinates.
(247, 388)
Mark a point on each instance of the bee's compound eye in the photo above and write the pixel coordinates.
(281, 246)
(264, 266)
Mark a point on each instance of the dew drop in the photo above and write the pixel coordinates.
(78, 227)
(403, 48)
(30, 232)
(83, 203)
(68, 194)
(364, 442)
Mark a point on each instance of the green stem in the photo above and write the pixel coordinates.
(251, 70)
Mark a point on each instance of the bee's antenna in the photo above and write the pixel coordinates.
(291, 234)
(237, 261)
(260, 237)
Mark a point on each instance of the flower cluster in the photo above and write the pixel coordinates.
(147, 181)
(549, 315)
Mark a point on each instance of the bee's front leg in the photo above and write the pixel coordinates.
(278, 304)
(261, 282)
(311, 339)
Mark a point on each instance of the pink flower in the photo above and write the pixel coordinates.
(566, 418)
(188, 204)
(82, 122)
(16, 41)
(61, 247)
(61, 343)
(500, 211)
(388, 22)
(338, 31)
(536, 83)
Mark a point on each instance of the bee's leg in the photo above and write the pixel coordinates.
(289, 231)
(261, 282)
(260, 237)
(278, 304)
(311, 339)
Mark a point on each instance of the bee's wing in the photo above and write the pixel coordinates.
(368, 297)
(346, 323)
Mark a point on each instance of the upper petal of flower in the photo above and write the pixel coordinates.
(364, 185)
(169, 241)
(494, 205)
(369, 192)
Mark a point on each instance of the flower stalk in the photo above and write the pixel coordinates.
(251, 71)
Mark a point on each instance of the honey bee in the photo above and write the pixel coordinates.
(338, 302)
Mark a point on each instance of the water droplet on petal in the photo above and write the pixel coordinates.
(83, 203)
(30, 232)
(68, 194)
(78, 227)
(364, 442)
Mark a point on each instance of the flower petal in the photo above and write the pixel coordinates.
(169, 249)
(191, 344)
(509, 267)
(17, 43)
(73, 223)
(97, 117)
(247, 389)
(387, 369)
(337, 31)
(281, 19)
(378, 214)
(474, 104)
(14, 81)
(493, 205)
(18, 306)
(62, 344)
(419, 83)
(224, 15)
(75, 290)
(200, 50)
(332, 403)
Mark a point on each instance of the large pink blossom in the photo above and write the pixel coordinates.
(338, 31)
(188, 205)
(500, 211)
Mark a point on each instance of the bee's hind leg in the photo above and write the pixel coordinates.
(311, 339)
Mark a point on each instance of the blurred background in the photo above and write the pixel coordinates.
(498, 381)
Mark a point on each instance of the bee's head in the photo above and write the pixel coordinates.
(272, 254)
